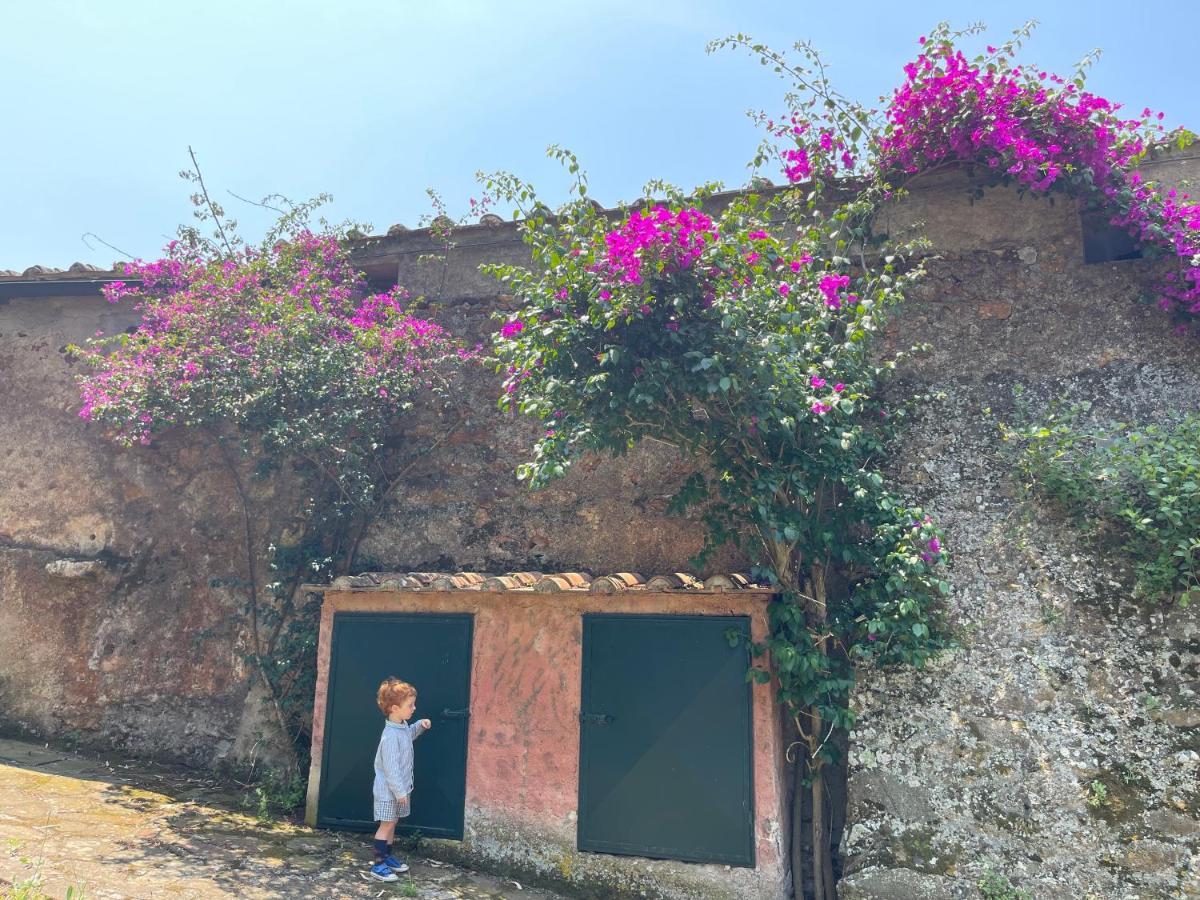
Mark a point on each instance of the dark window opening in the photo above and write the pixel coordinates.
(380, 284)
(1105, 242)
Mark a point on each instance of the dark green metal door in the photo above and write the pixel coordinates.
(665, 765)
(433, 653)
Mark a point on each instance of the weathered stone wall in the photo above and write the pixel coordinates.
(141, 645)
(122, 572)
(983, 761)
(462, 506)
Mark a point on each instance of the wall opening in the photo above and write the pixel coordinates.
(1105, 242)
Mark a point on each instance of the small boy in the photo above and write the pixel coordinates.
(394, 771)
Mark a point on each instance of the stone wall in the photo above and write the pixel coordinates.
(122, 572)
(984, 764)
(983, 761)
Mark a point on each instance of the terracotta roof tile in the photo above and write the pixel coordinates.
(540, 582)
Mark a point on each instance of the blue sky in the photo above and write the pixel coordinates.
(376, 100)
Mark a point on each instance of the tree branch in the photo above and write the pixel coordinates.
(212, 207)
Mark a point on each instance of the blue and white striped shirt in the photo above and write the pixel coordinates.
(394, 760)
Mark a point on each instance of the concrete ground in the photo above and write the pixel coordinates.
(118, 828)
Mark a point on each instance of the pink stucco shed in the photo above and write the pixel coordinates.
(523, 746)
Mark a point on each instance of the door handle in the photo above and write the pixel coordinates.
(456, 713)
(595, 718)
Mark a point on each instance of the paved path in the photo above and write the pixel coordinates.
(125, 829)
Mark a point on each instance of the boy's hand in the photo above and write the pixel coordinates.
(426, 723)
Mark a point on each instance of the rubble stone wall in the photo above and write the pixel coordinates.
(983, 765)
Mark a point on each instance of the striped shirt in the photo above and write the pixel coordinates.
(394, 761)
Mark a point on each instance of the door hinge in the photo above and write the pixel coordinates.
(456, 713)
(595, 718)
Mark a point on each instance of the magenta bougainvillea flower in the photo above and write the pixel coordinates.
(670, 239)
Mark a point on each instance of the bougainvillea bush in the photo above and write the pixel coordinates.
(1045, 133)
(280, 357)
(283, 344)
(752, 352)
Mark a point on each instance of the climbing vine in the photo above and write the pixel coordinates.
(1017, 124)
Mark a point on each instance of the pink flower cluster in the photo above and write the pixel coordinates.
(1024, 125)
(824, 153)
(1166, 220)
(832, 288)
(797, 166)
(820, 407)
(658, 236)
(1044, 133)
(933, 546)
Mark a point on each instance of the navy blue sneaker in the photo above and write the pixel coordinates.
(396, 865)
(381, 872)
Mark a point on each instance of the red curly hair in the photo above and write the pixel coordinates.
(393, 692)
